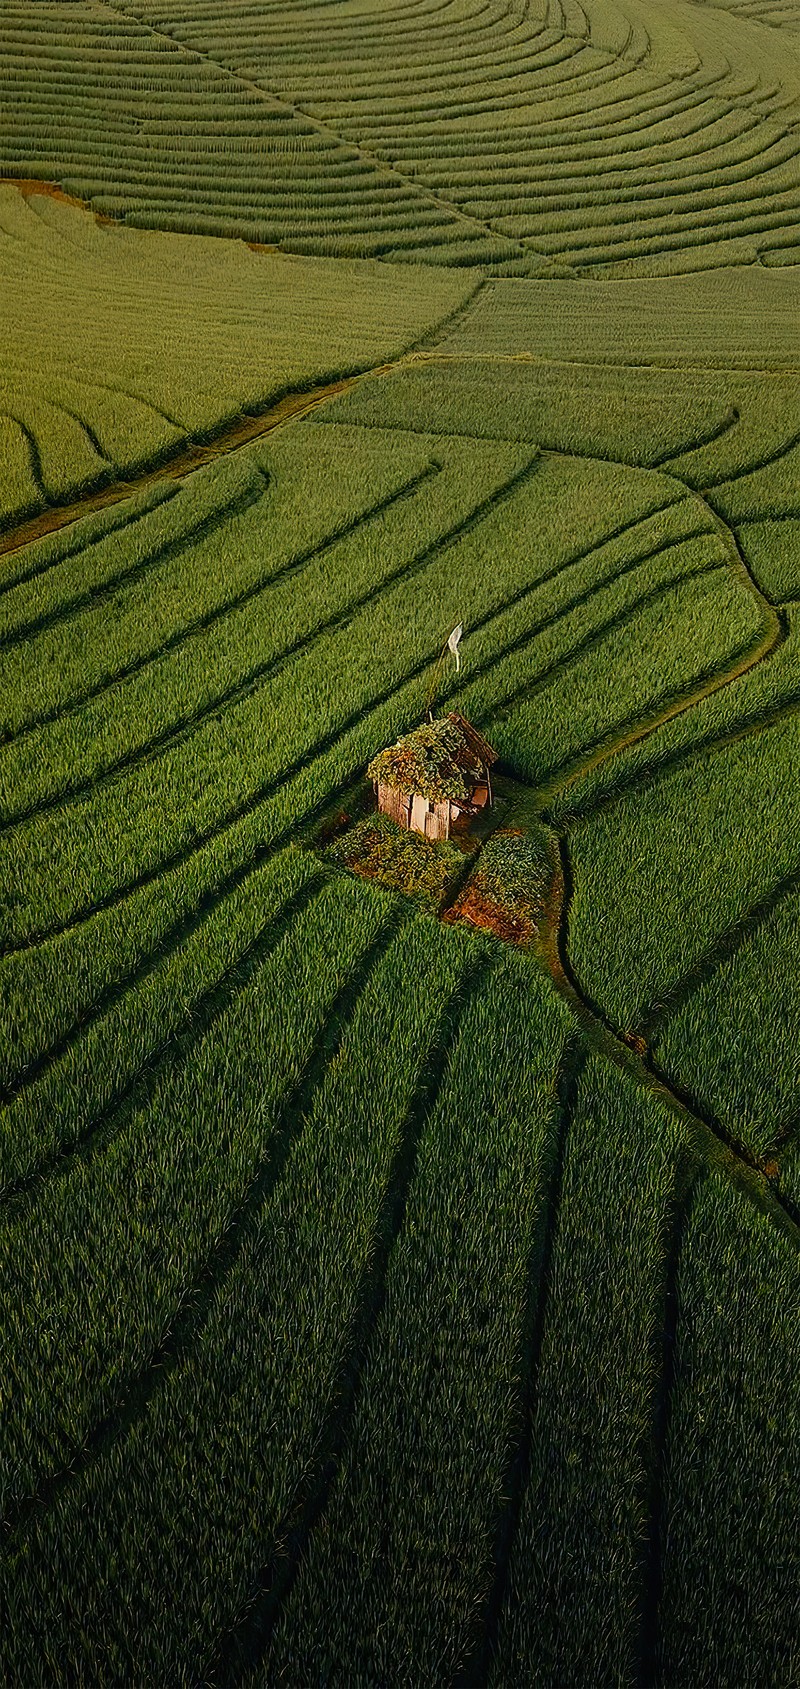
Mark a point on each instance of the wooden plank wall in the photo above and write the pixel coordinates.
(393, 803)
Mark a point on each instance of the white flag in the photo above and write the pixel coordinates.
(453, 642)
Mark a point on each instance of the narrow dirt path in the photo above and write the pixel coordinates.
(706, 1137)
(189, 457)
(765, 646)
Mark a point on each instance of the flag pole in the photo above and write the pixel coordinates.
(434, 685)
(451, 644)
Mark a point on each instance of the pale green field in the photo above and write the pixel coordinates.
(118, 349)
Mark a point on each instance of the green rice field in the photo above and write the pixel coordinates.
(396, 1295)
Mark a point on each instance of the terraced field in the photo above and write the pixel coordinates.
(385, 1303)
(535, 136)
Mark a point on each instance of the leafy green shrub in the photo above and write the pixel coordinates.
(514, 870)
(424, 761)
(420, 868)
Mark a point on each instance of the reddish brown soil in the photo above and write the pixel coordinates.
(332, 828)
(635, 1041)
(481, 911)
(28, 187)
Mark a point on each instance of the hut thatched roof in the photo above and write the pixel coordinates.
(439, 760)
(478, 749)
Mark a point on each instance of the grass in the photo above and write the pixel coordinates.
(581, 1540)
(698, 860)
(387, 1299)
(186, 336)
(730, 1459)
(396, 1562)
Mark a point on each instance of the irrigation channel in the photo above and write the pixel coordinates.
(711, 1142)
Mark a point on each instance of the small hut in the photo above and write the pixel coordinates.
(434, 775)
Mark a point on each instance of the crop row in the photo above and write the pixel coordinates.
(233, 1428)
(508, 170)
(95, 157)
(236, 656)
(688, 627)
(771, 549)
(640, 1451)
(122, 636)
(39, 557)
(644, 414)
(70, 423)
(102, 1049)
(406, 98)
(647, 415)
(766, 693)
(89, 580)
(396, 1574)
(711, 321)
(686, 858)
(349, 93)
(731, 1458)
(45, 997)
(731, 1032)
(716, 1033)
(747, 467)
(585, 1520)
(369, 644)
(777, 13)
(172, 1161)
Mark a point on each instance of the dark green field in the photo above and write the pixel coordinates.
(387, 1303)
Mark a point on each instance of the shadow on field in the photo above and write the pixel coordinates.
(138, 1090)
(476, 1668)
(688, 1177)
(247, 1641)
(187, 1323)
